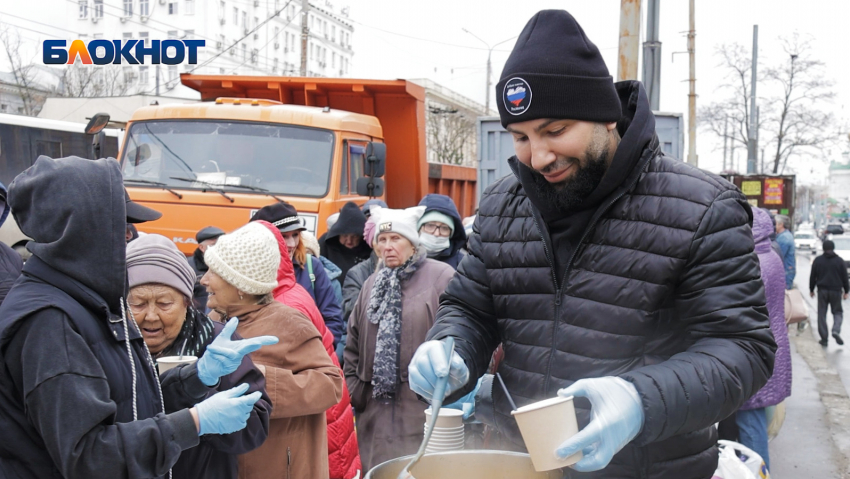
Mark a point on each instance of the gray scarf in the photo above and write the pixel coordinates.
(385, 310)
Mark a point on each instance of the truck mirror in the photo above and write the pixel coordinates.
(376, 159)
(97, 144)
(96, 123)
(371, 187)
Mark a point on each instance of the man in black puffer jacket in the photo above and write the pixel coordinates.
(606, 268)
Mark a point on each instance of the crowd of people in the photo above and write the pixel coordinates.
(603, 270)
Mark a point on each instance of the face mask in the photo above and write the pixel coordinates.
(434, 245)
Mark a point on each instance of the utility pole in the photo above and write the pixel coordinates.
(752, 139)
(627, 61)
(487, 84)
(305, 34)
(652, 56)
(725, 139)
(692, 95)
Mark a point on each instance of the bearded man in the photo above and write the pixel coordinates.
(607, 270)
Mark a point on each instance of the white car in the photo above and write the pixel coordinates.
(807, 241)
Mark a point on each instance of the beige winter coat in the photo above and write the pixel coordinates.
(302, 383)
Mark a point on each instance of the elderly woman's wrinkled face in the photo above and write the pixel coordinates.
(395, 249)
(221, 293)
(159, 311)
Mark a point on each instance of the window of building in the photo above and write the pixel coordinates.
(98, 9)
(172, 8)
(244, 19)
(256, 23)
(292, 10)
(189, 34)
(126, 36)
(128, 8)
(3, 107)
(221, 42)
(145, 39)
(129, 77)
(84, 8)
(254, 55)
(190, 7)
(333, 59)
(333, 33)
(235, 16)
(144, 8)
(244, 52)
(274, 66)
(222, 10)
(172, 73)
(143, 75)
(172, 34)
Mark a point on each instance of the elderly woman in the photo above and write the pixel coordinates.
(303, 381)
(310, 271)
(393, 313)
(161, 284)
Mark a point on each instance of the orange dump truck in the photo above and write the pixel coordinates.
(316, 143)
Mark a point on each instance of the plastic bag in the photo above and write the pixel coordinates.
(743, 464)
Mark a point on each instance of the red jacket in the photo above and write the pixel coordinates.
(343, 453)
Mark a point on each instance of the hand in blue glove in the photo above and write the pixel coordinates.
(227, 411)
(224, 355)
(429, 363)
(616, 417)
(466, 403)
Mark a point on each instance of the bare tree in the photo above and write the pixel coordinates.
(789, 120)
(450, 134)
(23, 71)
(79, 80)
(798, 122)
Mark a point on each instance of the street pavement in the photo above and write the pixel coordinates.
(814, 441)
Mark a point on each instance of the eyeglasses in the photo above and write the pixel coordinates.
(432, 228)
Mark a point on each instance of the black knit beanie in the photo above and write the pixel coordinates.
(555, 71)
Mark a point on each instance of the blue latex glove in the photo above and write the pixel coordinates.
(466, 403)
(227, 411)
(429, 362)
(616, 417)
(224, 355)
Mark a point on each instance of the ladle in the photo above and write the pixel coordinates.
(436, 404)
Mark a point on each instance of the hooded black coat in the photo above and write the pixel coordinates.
(446, 206)
(662, 290)
(351, 221)
(73, 371)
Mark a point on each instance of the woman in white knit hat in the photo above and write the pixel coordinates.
(391, 317)
(301, 379)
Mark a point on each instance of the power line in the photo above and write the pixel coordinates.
(271, 38)
(424, 39)
(39, 23)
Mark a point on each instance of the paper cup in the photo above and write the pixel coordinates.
(448, 418)
(168, 362)
(545, 425)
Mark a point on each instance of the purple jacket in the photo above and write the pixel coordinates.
(778, 387)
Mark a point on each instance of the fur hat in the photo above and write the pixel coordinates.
(311, 244)
(248, 259)
(402, 222)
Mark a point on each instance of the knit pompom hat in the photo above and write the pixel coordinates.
(248, 259)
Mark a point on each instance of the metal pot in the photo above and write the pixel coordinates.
(473, 464)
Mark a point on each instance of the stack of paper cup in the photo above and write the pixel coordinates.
(448, 432)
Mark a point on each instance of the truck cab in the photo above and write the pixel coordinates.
(257, 140)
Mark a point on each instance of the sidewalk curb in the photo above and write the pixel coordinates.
(830, 388)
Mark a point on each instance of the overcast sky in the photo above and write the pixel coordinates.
(412, 39)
